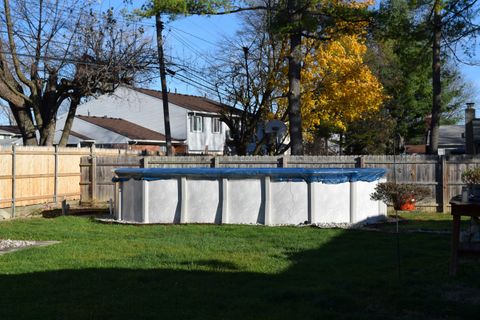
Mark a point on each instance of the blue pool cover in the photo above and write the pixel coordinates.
(324, 175)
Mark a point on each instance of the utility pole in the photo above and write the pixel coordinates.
(163, 80)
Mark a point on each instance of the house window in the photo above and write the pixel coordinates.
(196, 124)
(216, 125)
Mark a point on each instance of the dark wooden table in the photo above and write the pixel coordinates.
(459, 209)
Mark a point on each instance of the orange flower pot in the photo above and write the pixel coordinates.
(408, 205)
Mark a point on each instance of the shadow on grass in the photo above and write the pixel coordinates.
(353, 276)
(406, 224)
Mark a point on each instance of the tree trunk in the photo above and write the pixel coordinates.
(47, 133)
(25, 123)
(67, 127)
(294, 71)
(436, 80)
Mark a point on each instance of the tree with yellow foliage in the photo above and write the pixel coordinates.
(337, 86)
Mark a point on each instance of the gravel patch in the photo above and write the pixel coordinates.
(11, 244)
(14, 245)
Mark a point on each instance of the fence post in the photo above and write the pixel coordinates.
(145, 162)
(360, 162)
(283, 163)
(444, 177)
(93, 174)
(215, 162)
(14, 172)
(55, 177)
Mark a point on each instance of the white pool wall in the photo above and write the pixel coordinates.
(247, 201)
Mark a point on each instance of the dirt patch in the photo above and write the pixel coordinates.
(91, 212)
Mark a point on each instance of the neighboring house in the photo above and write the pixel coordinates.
(10, 135)
(133, 118)
(454, 139)
(451, 140)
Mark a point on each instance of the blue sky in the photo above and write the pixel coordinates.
(195, 38)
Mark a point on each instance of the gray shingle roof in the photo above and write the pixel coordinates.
(125, 128)
(193, 103)
(451, 135)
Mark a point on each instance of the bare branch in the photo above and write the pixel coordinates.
(13, 49)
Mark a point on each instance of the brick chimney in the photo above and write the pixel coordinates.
(469, 116)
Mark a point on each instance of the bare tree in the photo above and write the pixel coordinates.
(106, 55)
(58, 52)
(249, 78)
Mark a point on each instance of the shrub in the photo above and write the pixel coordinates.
(471, 176)
(397, 194)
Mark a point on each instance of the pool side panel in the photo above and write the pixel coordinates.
(245, 201)
(289, 202)
(332, 203)
(367, 210)
(132, 200)
(203, 201)
(164, 204)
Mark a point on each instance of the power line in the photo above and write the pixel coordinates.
(194, 50)
(193, 35)
(48, 58)
(200, 87)
(207, 82)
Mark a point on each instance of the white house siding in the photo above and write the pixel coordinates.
(135, 107)
(199, 142)
(147, 111)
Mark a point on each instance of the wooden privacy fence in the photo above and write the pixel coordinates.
(36, 175)
(440, 174)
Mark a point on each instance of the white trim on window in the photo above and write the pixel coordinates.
(216, 125)
(196, 123)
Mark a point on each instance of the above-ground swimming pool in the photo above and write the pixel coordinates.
(268, 196)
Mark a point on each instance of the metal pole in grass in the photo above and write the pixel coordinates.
(394, 206)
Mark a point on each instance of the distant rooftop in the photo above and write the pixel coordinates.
(79, 135)
(125, 128)
(194, 103)
(11, 129)
(452, 135)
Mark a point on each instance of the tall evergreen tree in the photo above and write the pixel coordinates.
(401, 56)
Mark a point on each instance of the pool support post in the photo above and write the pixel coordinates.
(353, 202)
(183, 199)
(224, 187)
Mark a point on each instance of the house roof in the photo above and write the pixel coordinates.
(125, 128)
(193, 103)
(452, 135)
(10, 141)
(11, 129)
(79, 135)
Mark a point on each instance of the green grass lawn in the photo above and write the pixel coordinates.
(103, 271)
